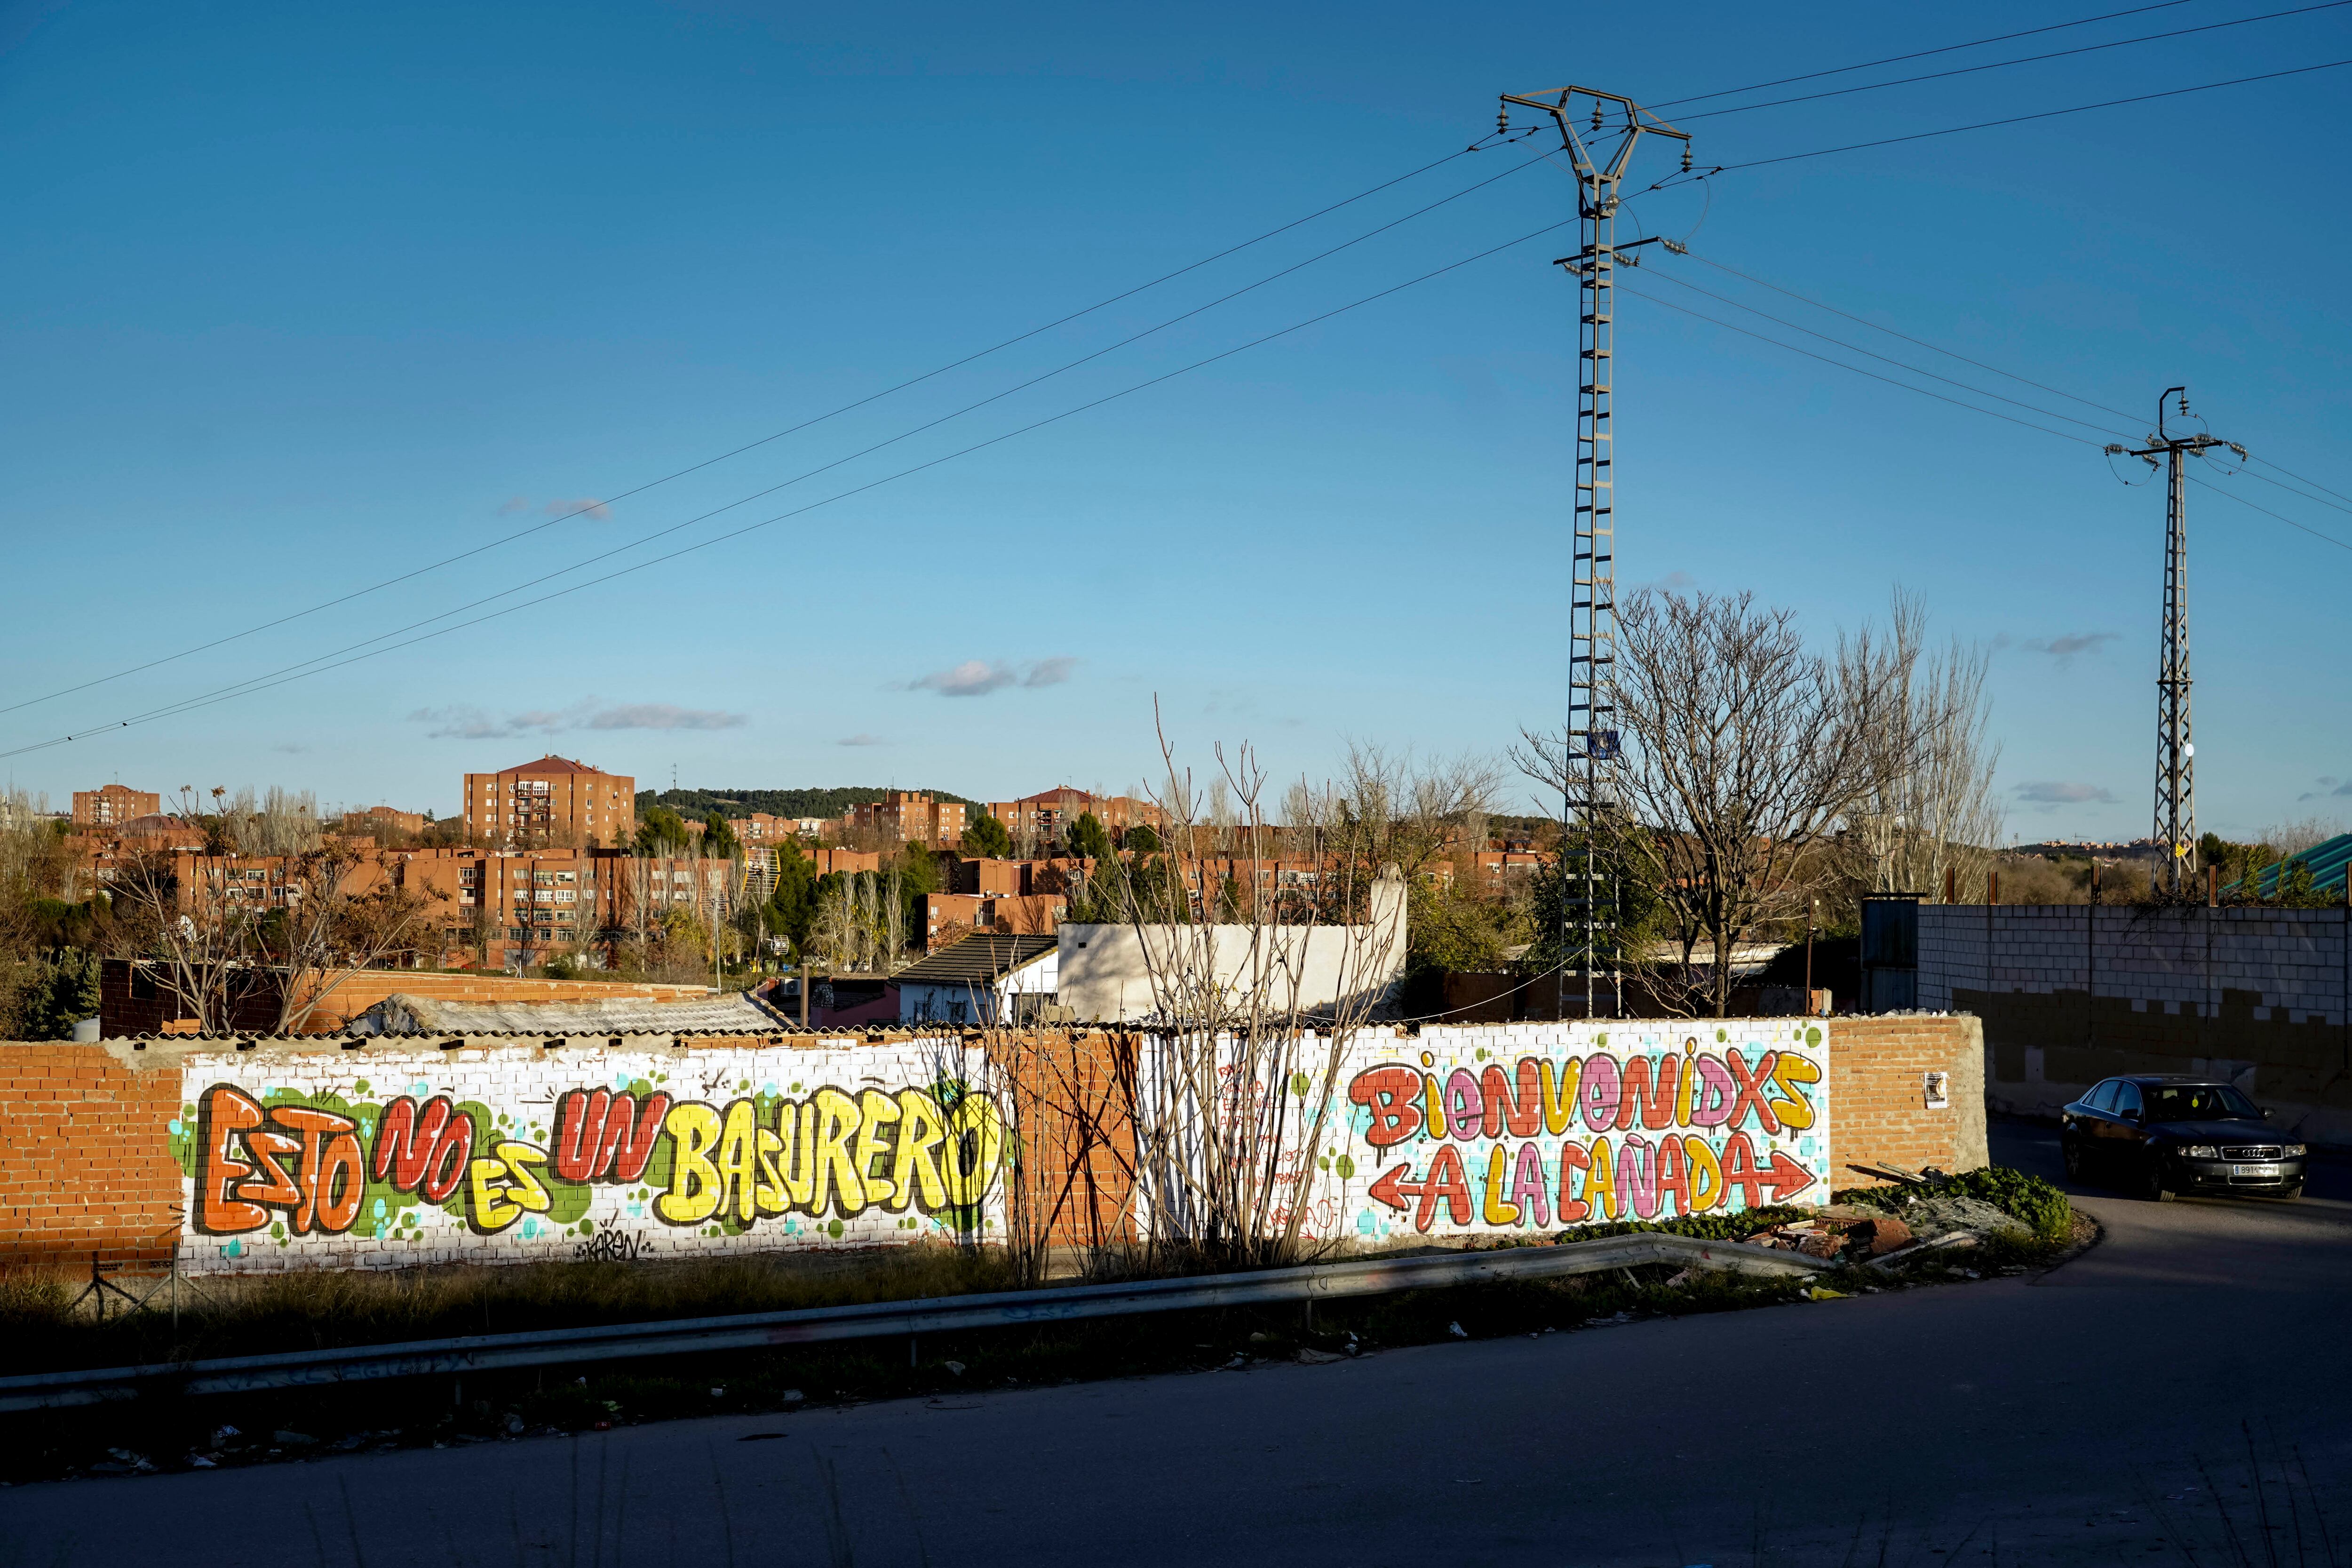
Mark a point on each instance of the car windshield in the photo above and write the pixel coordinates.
(2196, 1103)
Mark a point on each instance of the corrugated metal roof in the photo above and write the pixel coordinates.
(977, 959)
(2328, 861)
(735, 1012)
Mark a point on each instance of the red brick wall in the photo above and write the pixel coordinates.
(1879, 1112)
(88, 1164)
(124, 1013)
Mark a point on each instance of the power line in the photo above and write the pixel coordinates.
(321, 663)
(1890, 332)
(2298, 478)
(1922, 54)
(749, 445)
(1940, 398)
(2217, 489)
(1883, 359)
(2316, 500)
(906, 435)
(2022, 119)
(2339, 504)
(2021, 60)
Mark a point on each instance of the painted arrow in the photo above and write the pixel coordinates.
(1785, 1178)
(1393, 1190)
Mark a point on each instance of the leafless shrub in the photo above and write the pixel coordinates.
(1928, 806)
(1742, 751)
(1229, 1082)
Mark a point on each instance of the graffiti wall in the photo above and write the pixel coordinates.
(1526, 1129)
(513, 1154)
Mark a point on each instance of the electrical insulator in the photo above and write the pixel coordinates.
(1686, 166)
(1501, 119)
(1596, 117)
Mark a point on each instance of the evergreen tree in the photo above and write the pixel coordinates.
(987, 839)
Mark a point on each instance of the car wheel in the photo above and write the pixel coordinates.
(2151, 1183)
(2072, 1153)
(2289, 1194)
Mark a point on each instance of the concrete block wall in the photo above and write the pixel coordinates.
(2071, 993)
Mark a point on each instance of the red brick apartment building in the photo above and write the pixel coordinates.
(1046, 816)
(911, 816)
(761, 827)
(552, 801)
(384, 817)
(114, 805)
(530, 906)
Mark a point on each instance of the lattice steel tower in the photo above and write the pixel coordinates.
(1588, 753)
(2176, 754)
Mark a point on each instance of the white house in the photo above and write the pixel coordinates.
(1106, 972)
(982, 979)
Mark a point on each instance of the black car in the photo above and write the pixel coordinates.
(2157, 1136)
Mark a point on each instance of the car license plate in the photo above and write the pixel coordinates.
(2254, 1171)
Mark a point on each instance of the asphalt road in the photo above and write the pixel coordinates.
(2162, 1398)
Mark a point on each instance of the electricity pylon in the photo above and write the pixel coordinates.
(2176, 754)
(1590, 957)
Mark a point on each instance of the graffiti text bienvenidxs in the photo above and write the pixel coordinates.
(1594, 1123)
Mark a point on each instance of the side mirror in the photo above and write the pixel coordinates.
(2131, 1116)
(2266, 1114)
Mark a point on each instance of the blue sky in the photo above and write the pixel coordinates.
(297, 299)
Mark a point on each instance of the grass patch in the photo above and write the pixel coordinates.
(321, 1309)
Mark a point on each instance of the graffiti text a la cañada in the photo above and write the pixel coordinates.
(1662, 1135)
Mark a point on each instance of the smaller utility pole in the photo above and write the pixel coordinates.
(2175, 766)
(1811, 914)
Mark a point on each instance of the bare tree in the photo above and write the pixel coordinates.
(1928, 806)
(1231, 1080)
(1742, 751)
(265, 941)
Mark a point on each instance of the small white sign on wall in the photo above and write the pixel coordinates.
(1939, 1090)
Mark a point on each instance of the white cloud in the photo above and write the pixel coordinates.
(861, 739)
(465, 722)
(2051, 794)
(2064, 648)
(978, 677)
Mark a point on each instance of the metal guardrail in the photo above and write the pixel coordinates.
(950, 1314)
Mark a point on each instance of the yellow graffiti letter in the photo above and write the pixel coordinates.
(738, 1161)
(1494, 1211)
(1600, 1182)
(914, 1170)
(975, 1147)
(525, 1189)
(1795, 1110)
(695, 1190)
(492, 1209)
(876, 1111)
(836, 1177)
(796, 1125)
(769, 1194)
(1560, 1085)
(1703, 1164)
